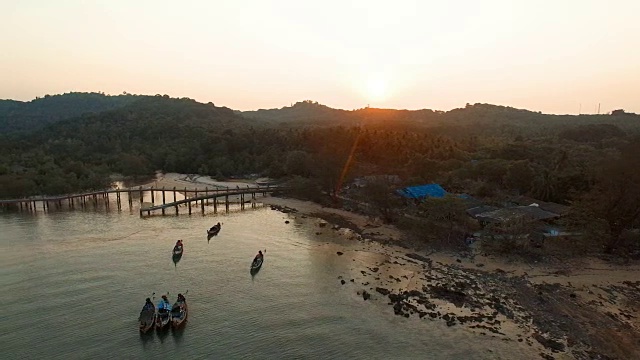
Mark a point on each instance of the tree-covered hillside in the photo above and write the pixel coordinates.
(486, 151)
(19, 116)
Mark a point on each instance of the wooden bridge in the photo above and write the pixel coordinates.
(191, 196)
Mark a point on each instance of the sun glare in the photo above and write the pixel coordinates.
(376, 88)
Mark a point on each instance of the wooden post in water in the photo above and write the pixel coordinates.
(174, 194)
(130, 198)
(141, 196)
(241, 201)
(215, 204)
(118, 200)
(226, 202)
(206, 193)
(163, 200)
(189, 204)
(202, 206)
(153, 201)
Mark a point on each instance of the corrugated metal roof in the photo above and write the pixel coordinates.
(514, 213)
(480, 210)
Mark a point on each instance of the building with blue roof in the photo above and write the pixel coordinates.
(423, 191)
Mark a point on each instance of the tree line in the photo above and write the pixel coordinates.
(591, 165)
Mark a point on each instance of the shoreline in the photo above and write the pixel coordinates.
(584, 308)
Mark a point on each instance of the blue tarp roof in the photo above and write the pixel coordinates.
(422, 191)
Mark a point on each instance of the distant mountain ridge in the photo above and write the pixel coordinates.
(310, 113)
(22, 117)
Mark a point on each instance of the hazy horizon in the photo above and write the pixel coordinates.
(549, 56)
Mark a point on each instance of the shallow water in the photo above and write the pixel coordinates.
(74, 282)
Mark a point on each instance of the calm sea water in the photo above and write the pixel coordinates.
(73, 284)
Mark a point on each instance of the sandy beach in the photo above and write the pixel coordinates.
(579, 309)
(196, 182)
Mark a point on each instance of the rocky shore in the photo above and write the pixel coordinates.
(558, 313)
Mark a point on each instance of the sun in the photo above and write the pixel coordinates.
(376, 88)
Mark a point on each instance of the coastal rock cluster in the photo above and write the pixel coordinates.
(553, 318)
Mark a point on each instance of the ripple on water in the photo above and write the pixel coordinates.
(78, 280)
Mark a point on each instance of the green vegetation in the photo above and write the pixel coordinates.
(487, 151)
(20, 117)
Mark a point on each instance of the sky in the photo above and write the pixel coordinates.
(554, 56)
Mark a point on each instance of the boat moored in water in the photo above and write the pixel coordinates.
(147, 317)
(256, 264)
(179, 312)
(214, 230)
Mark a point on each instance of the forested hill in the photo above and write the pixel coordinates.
(491, 117)
(155, 132)
(20, 117)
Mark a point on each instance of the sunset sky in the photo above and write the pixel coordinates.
(544, 55)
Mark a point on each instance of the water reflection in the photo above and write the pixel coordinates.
(163, 334)
(178, 333)
(145, 338)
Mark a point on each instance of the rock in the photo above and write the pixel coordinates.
(286, 222)
(366, 295)
(397, 308)
(335, 227)
(419, 257)
(549, 343)
(572, 295)
(342, 282)
(375, 269)
(383, 291)
(322, 224)
(457, 298)
(318, 233)
(339, 253)
(352, 280)
(479, 265)
(458, 260)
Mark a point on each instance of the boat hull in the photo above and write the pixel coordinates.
(256, 265)
(163, 321)
(146, 321)
(178, 318)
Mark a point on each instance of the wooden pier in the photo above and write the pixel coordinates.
(193, 199)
